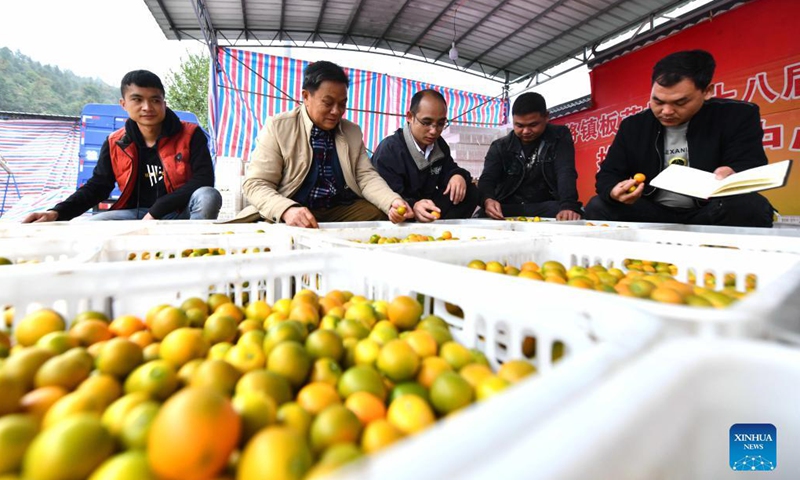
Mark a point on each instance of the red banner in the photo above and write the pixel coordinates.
(757, 50)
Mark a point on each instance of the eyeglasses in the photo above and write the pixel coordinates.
(440, 125)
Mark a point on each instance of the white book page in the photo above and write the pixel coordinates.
(763, 176)
(702, 184)
(686, 180)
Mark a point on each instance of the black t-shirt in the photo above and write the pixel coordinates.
(530, 149)
(150, 182)
(533, 188)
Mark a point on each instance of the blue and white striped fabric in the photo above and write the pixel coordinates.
(42, 155)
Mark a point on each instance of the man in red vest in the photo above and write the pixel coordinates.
(161, 164)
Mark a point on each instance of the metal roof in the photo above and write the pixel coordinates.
(506, 40)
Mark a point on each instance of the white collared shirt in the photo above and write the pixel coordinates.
(426, 152)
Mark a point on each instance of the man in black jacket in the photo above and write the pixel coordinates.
(531, 171)
(161, 164)
(416, 163)
(684, 125)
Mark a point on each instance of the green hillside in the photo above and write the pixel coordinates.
(30, 87)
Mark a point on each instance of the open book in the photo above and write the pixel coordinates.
(702, 184)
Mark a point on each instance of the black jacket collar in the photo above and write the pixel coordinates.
(512, 143)
(172, 125)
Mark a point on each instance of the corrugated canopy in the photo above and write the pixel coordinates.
(507, 40)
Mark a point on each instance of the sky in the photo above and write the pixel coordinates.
(93, 38)
(107, 38)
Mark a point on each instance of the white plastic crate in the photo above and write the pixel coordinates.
(200, 227)
(171, 241)
(451, 448)
(50, 249)
(735, 239)
(582, 226)
(549, 226)
(102, 229)
(778, 278)
(228, 173)
(343, 225)
(485, 223)
(482, 223)
(77, 228)
(231, 203)
(497, 317)
(498, 326)
(159, 247)
(666, 416)
(782, 231)
(228, 170)
(336, 235)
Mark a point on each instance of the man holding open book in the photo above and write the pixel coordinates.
(684, 126)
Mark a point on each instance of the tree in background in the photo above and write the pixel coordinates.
(28, 86)
(187, 89)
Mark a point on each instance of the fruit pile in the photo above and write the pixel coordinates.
(410, 238)
(591, 224)
(643, 279)
(6, 261)
(526, 219)
(212, 390)
(193, 252)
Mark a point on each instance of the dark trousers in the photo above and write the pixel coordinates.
(748, 210)
(549, 209)
(358, 211)
(464, 209)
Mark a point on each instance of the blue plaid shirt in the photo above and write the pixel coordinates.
(324, 191)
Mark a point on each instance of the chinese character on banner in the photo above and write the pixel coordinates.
(576, 134)
(773, 136)
(759, 83)
(795, 145)
(628, 111)
(720, 92)
(588, 128)
(609, 122)
(791, 83)
(601, 156)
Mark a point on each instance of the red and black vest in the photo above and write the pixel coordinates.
(173, 152)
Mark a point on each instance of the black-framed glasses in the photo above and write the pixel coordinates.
(440, 125)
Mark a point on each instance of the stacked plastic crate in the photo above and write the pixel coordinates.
(228, 173)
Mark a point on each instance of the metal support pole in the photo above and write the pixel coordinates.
(506, 105)
(210, 36)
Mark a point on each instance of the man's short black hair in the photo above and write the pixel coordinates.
(528, 103)
(417, 98)
(696, 65)
(318, 72)
(140, 78)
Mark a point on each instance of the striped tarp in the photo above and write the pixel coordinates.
(42, 155)
(35, 203)
(252, 86)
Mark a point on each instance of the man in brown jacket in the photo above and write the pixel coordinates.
(311, 165)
